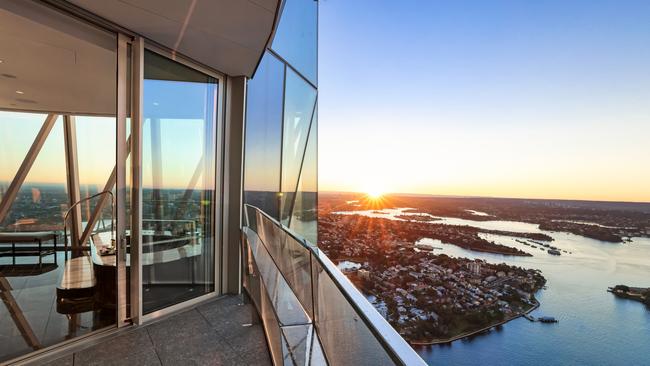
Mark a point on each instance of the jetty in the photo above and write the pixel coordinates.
(541, 319)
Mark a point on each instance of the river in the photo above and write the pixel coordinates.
(595, 327)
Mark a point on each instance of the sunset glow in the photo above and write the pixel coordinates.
(500, 106)
(375, 192)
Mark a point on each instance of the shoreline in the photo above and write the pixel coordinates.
(470, 333)
(479, 250)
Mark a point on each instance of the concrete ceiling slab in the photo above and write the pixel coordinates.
(227, 35)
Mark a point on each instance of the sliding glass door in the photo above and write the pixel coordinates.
(178, 183)
(107, 179)
(57, 178)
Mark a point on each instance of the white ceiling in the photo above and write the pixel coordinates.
(228, 35)
(63, 65)
(53, 63)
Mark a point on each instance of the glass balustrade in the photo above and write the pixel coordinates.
(311, 313)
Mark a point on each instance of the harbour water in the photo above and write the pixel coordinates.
(595, 328)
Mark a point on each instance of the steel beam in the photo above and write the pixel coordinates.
(187, 195)
(103, 199)
(21, 174)
(17, 315)
(72, 180)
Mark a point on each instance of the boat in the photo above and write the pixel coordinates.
(554, 252)
(547, 319)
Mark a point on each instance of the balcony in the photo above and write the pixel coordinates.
(304, 311)
(311, 313)
(221, 332)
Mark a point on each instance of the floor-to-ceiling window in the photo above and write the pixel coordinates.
(178, 188)
(57, 147)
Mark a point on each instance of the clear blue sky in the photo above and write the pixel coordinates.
(499, 98)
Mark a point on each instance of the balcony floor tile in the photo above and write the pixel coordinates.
(217, 333)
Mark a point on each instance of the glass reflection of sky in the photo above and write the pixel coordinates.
(182, 110)
(296, 37)
(264, 126)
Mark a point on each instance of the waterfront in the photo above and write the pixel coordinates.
(595, 327)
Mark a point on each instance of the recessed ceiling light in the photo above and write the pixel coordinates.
(1, 61)
(20, 92)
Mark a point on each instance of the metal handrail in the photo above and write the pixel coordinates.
(67, 213)
(392, 342)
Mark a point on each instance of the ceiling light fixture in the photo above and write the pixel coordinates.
(20, 92)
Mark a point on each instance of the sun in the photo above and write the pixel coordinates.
(375, 192)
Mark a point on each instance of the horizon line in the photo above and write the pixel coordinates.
(397, 194)
(493, 197)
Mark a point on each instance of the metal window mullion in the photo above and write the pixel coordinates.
(242, 151)
(121, 153)
(137, 121)
(219, 168)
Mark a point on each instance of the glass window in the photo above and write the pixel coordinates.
(43, 197)
(304, 213)
(178, 177)
(264, 136)
(299, 106)
(96, 158)
(55, 71)
(296, 36)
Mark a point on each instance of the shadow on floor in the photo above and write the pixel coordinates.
(221, 332)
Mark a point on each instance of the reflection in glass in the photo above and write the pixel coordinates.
(178, 183)
(296, 37)
(42, 198)
(304, 214)
(96, 158)
(264, 136)
(299, 106)
(62, 70)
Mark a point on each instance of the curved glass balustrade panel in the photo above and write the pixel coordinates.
(345, 339)
(291, 257)
(342, 327)
(179, 134)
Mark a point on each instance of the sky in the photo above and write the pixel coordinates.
(534, 99)
(95, 146)
(181, 135)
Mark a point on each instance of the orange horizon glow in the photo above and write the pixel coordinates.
(386, 195)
